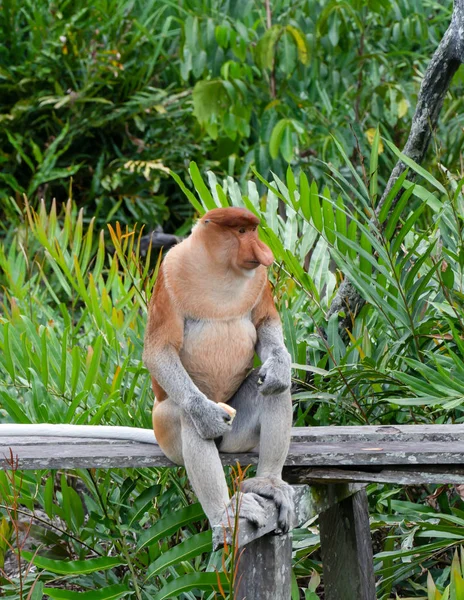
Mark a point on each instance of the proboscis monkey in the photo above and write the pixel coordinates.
(211, 310)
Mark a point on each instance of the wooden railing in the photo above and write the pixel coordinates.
(330, 466)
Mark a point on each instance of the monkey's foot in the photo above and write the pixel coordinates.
(248, 506)
(275, 489)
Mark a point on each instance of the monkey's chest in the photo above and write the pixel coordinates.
(218, 355)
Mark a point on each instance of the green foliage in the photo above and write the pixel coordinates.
(455, 590)
(71, 340)
(117, 92)
(404, 360)
(117, 95)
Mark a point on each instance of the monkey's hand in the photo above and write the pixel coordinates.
(248, 506)
(275, 374)
(276, 489)
(210, 420)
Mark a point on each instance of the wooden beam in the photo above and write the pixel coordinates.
(38, 452)
(403, 475)
(379, 433)
(346, 548)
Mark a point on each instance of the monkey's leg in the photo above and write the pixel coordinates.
(180, 441)
(267, 419)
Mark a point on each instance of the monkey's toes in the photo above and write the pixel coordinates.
(277, 490)
(252, 509)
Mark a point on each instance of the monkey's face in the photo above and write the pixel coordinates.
(231, 237)
(250, 250)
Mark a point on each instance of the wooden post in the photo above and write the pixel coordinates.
(265, 566)
(346, 546)
(265, 569)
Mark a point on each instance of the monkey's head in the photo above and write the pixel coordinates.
(231, 237)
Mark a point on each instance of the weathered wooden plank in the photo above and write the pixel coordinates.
(355, 448)
(382, 433)
(403, 475)
(72, 453)
(55, 453)
(346, 549)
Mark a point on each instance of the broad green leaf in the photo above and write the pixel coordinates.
(144, 502)
(201, 187)
(13, 409)
(365, 265)
(193, 546)
(286, 146)
(300, 43)
(265, 48)
(276, 137)
(74, 567)
(315, 207)
(340, 224)
(291, 186)
(329, 217)
(304, 196)
(192, 581)
(171, 523)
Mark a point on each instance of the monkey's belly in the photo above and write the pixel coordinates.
(218, 355)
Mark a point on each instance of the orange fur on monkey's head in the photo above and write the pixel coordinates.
(230, 234)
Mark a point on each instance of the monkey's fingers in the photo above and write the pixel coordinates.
(229, 410)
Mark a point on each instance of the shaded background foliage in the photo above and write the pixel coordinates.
(112, 92)
(98, 103)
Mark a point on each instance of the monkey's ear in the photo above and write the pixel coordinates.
(231, 217)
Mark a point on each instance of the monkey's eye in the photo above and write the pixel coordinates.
(242, 230)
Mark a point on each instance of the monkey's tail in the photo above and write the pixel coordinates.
(133, 434)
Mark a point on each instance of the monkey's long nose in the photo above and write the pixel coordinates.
(263, 254)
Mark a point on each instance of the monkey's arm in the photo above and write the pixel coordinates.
(275, 373)
(163, 341)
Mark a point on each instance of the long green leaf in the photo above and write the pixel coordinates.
(201, 187)
(74, 567)
(170, 524)
(193, 201)
(193, 546)
(415, 167)
(192, 581)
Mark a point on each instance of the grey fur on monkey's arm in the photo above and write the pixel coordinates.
(275, 372)
(210, 420)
